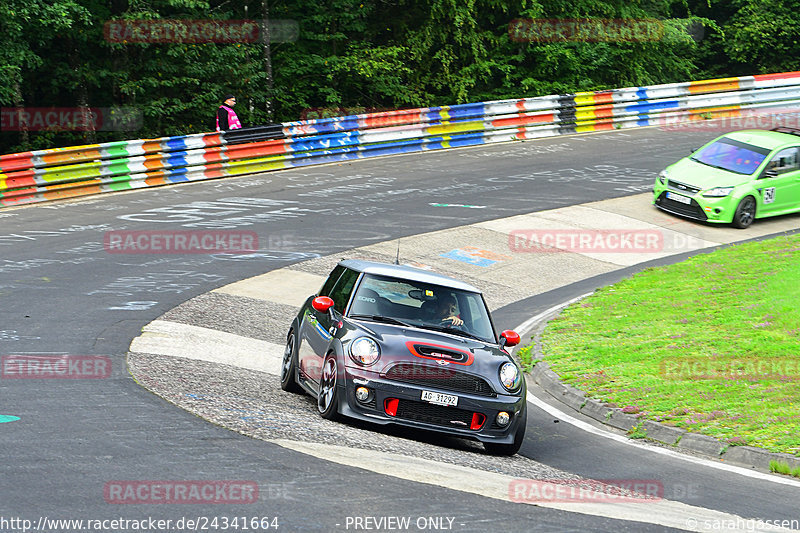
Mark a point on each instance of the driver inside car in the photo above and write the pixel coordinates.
(447, 311)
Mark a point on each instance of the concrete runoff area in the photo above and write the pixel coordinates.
(484, 254)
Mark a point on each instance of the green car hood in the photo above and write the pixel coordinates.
(703, 176)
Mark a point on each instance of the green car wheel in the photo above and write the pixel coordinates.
(745, 213)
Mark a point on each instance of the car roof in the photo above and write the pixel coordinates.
(407, 272)
(764, 138)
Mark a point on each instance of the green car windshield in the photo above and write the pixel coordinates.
(731, 155)
(412, 303)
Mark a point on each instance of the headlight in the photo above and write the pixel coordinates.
(662, 177)
(509, 376)
(717, 192)
(364, 351)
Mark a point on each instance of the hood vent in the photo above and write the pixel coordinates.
(435, 352)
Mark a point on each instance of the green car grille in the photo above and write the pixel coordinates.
(692, 210)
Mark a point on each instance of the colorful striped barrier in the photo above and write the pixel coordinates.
(44, 175)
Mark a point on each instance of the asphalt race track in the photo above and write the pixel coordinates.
(63, 293)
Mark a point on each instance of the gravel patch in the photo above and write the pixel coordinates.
(253, 404)
(248, 317)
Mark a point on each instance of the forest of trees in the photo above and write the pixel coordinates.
(358, 55)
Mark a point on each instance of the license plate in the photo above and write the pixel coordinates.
(439, 398)
(679, 198)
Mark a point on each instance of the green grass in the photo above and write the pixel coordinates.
(711, 344)
(783, 468)
(526, 357)
(637, 432)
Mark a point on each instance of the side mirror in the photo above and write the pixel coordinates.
(322, 304)
(770, 173)
(509, 338)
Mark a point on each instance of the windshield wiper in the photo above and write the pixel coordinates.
(381, 318)
(454, 331)
(713, 166)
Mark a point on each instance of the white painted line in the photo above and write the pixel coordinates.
(173, 339)
(580, 424)
(498, 486)
(523, 328)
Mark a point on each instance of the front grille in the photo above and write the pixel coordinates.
(692, 210)
(440, 378)
(434, 414)
(683, 187)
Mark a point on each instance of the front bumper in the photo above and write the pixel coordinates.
(411, 411)
(715, 210)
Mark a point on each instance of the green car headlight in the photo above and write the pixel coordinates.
(717, 192)
(510, 376)
(364, 351)
(663, 178)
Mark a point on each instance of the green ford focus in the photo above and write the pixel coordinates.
(735, 178)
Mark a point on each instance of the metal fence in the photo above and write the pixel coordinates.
(44, 175)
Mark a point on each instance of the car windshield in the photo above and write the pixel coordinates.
(734, 156)
(399, 301)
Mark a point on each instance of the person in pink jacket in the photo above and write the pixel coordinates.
(226, 116)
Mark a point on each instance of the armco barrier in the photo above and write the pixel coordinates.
(82, 170)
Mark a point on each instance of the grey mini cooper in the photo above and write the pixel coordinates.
(393, 344)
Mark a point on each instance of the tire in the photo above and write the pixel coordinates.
(328, 395)
(289, 366)
(519, 438)
(745, 213)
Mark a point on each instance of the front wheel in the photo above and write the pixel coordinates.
(745, 213)
(289, 367)
(328, 396)
(519, 438)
